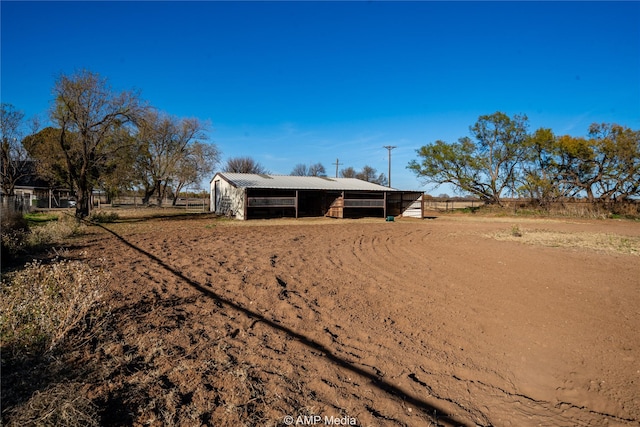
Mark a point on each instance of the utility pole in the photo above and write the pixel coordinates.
(389, 147)
(337, 163)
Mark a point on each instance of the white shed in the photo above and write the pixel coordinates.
(247, 196)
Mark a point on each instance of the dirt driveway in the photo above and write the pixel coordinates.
(452, 321)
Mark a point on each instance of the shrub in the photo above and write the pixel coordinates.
(12, 220)
(19, 239)
(13, 230)
(515, 231)
(41, 304)
(104, 217)
(53, 232)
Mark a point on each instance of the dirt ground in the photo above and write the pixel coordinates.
(458, 320)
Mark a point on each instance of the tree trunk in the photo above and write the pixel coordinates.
(159, 193)
(148, 192)
(83, 204)
(177, 193)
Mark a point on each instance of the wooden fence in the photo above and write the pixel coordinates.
(427, 206)
(189, 203)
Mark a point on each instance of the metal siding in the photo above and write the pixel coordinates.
(283, 182)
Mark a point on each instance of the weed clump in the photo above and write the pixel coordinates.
(104, 217)
(64, 404)
(13, 230)
(515, 231)
(21, 235)
(42, 303)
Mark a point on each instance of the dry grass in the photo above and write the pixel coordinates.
(605, 242)
(63, 405)
(20, 239)
(54, 231)
(47, 311)
(41, 304)
(104, 216)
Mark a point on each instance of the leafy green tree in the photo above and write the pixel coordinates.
(93, 120)
(578, 169)
(617, 159)
(43, 146)
(605, 166)
(487, 166)
(540, 180)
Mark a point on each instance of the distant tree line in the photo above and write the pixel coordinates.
(501, 158)
(249, 165)
(367, 173)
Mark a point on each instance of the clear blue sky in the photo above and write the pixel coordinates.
(307, 82)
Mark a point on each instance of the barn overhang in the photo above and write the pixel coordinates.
(264, 196)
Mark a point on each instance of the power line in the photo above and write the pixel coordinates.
(337, 163)
(389, 148)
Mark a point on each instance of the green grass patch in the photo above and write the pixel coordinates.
(36, 218)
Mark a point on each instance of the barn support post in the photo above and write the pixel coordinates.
(297, 204)
(246, 204)
(385, 205)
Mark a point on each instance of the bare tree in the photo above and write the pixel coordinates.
(14, 158)
(199, 162)
(166, 143)
(316, 169)
(299, 170)
(91, 118)
(348, 172)
(367, 173)
(244, 165)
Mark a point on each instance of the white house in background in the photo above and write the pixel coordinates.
(249, 196)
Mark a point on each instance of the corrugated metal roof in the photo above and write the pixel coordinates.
(288, 182)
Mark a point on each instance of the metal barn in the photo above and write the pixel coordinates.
(250, 196)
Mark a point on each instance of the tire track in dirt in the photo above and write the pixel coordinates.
(356, 371)
(351, 290)
(369, 274)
